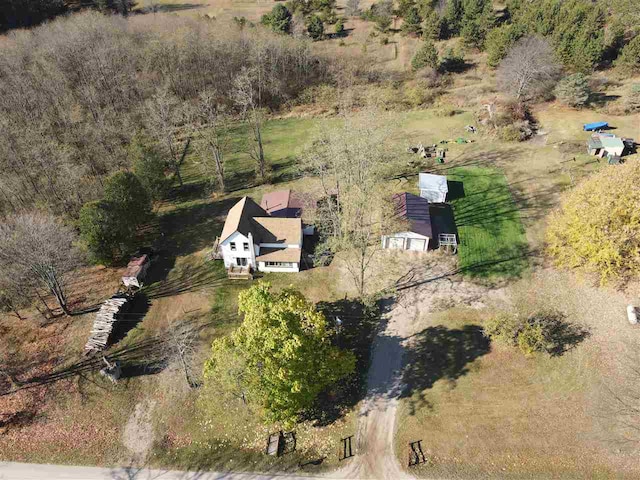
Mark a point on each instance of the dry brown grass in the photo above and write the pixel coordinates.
(516, 417)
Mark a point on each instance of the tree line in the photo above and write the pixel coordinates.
(75, 93)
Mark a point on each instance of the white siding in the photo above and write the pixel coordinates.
(230, 256)
(403, 240)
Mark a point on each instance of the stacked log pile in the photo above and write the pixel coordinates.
(106, 317)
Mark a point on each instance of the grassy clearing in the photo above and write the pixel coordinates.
(486, 411)
(492, 238)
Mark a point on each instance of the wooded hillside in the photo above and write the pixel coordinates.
(74, 92)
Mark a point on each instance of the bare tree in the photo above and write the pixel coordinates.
(350, 162)
(529, 70)
(247, 94)
(165, 114)
(181, 346)
(38, 247)
(211, 128)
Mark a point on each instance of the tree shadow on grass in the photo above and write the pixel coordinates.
(359, 326)
(143, 357)
(440, 353)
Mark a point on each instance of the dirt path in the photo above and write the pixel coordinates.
(376, 424)
(423, 289)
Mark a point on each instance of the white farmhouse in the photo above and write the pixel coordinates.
(251, 239)
(433, 187)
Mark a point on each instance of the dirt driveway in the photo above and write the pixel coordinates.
(422, 289)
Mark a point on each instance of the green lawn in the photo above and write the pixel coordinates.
(492, 237)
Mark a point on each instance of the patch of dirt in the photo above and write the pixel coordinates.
(428, 282)
(138, 434)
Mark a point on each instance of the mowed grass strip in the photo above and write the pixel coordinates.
(492, 237)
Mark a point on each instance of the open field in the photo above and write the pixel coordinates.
(490, 412)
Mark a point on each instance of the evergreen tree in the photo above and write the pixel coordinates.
(315, 27)
(499, 41)
(477, 20)
(629, 60)
(412, 21)
(425, 56)
(432, 27)
(452, 16)
(573, 90)
(278, 20)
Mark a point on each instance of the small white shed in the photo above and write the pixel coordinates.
(433, 187)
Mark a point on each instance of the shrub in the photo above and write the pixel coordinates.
(425, 56)
(573, 90)
(543, 331)
(339, 26)
(510, 133)
(596, 227)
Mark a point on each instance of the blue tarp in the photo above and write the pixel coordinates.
(589, 127)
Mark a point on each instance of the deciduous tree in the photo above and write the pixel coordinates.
(248, 96)
(350, 162)
(164, 116)
(596, 227)
(281, 356)
(529, 70)
(38, 247)
(213, 137)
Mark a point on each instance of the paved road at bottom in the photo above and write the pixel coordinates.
(32, 471)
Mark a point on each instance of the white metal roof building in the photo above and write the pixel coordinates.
(433, 187)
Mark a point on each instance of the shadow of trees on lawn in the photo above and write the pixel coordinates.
(359, 326)
(438, 353)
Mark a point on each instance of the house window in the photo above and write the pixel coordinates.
(279, 264)
(241, 262)
(245, 245)
(232, 246)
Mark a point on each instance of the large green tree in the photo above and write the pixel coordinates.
(109, 227)
(281, 356)
(477, 20)
(573, 90)
(102, 232)
(150, 168)
(499, 41)
(132, 201)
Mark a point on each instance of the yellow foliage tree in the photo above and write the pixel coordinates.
(597, 227)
